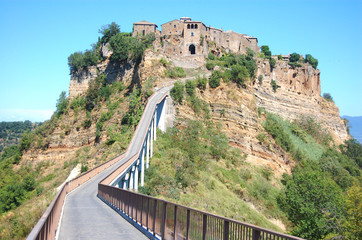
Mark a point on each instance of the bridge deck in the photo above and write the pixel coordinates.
(85, 216)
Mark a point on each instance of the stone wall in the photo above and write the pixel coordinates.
(143, 29)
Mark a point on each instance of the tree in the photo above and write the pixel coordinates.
(314, 204)
(240, 74)
(214, 80)
(266, 51)
(109, 31)
(354, 212)
(294, 57)
(177, 92)
(62, 104)
(311, 60)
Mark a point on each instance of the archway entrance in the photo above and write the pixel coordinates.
(192, 49)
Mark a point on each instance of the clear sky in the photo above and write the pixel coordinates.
(37, 37)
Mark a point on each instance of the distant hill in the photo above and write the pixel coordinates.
(355, 124)
(10, 132)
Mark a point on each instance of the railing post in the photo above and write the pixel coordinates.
(226, 230)
(204, 226)
(154, 218)
(163, 224)
(175, 223)
(188, 224)
(256, 234)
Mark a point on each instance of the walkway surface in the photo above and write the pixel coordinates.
(85, 216)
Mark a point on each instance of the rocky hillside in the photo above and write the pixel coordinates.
(108, 90)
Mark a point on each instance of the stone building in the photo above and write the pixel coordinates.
(187, 37)
(143, 28)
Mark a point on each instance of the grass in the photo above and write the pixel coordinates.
(227, 186)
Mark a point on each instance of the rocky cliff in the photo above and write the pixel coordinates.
(297, 95)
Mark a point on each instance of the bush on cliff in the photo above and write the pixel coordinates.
(311, 60)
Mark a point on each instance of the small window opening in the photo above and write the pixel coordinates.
(192, 49)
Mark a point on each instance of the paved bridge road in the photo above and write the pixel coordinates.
(85, 216)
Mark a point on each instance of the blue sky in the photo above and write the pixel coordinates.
(38, 36)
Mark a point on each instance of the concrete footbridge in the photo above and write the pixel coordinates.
(103, 203)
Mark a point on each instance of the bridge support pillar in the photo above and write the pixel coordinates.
(136, 179)
(151, 150)
(125, 181)
(162, 121)
(154, 125)
(143, 167)
(131, 180)
(148, 151)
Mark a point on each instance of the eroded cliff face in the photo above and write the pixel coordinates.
(235, 108)
(298, 95)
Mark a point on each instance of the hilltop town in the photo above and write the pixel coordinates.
(188, 37)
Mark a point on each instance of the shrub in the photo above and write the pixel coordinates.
(294, 57)
(176, 72)
(280, 57)
(260, 79)
(227, 75)
(328, 97)
(190, 87)
(214, 80)
(164, 62)
(274, 85)
(211, 56)
(272, 63)
(311, 60)
(201, 82)
(177, 92)
(83, 168)
(240, 74)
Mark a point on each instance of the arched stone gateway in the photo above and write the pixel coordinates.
(192, 49)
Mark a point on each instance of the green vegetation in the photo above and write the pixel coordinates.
(328, 97)
(280, 57)
(177, 92)
(294, 60)
(260, 79)
(236, 68)
(314, 195)
(201, 82)
(267, 54)
(311, 60)
(274, 85)
(11, 132)
(123, 46)
(175, 72)
(83, 60)
(214, 80)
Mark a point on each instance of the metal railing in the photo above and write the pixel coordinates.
(168, 220)
(47, 225)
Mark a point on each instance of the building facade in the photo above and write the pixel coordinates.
(187, 37)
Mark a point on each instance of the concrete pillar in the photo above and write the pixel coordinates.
(151, 149)
(148, 151)
(155, 125)
(143, 167)
(131, 180)
(162, 121)
(126, 179)
(136, 179)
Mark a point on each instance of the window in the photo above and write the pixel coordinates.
(192, 34)
(192, 26)
(195, 26)
(188, 26)
(174, 26)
